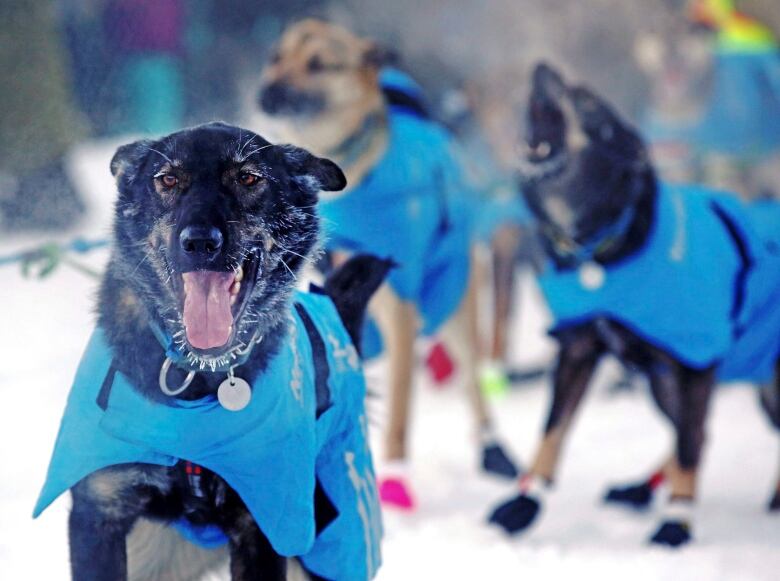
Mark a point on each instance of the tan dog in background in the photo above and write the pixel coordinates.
(321, 89)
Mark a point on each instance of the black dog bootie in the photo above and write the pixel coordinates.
(496, 461)
(672, 533)
(516, 514)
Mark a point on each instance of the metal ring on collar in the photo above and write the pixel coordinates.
(164, 379)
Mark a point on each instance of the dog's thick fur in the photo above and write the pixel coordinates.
(269, 228)
(321, 90)
(582, 168)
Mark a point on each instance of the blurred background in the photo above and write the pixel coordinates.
(80, 77)
(82, 70)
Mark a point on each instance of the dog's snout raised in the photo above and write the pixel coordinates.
(201, 241)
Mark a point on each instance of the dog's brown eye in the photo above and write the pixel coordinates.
(169, 180)
(247, 179)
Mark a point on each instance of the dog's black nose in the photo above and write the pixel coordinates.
(281, 98)
(201, 241)
(272, 98)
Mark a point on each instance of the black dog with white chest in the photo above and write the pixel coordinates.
(214, 396)
(678, 283)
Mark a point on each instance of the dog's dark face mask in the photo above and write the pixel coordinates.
(319, 69)
(582, 165)
(213, 224)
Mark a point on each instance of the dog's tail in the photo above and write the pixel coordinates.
(351, 286)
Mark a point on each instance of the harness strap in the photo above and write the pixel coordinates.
(320, 356)
(105, 388)
(402, 101)
(746, 264)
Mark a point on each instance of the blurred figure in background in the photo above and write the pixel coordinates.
(478, 115)
(145, 38)
(38, 123)
(715, 110)
(741, 126)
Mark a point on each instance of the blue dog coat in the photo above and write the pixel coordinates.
(705, 287)
(273, 453)
(410, 207)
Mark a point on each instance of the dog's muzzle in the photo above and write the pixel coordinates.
(283, 99)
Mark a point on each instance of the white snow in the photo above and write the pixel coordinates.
(616, 439)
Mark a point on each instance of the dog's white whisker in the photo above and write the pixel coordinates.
(160, 153)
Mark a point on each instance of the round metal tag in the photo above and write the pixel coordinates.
(234, 394)
(592, 275)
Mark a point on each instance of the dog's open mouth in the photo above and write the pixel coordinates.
(213, 302)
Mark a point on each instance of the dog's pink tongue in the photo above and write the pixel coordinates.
(207, 316)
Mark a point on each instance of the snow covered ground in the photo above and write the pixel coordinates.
(617, 438)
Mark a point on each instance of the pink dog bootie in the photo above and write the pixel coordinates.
(394, 489)
(440, 364)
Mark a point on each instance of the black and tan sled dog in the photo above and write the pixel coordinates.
(678, 282)
(213, 397)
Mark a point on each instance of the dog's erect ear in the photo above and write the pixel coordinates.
(547, 80)
(600, 118)
(127, 159)
(379, 56)
(312, 172)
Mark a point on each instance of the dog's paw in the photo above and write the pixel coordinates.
(496, 461)
(774, 504)
(517, 514)
(672, 533)
(635, 496)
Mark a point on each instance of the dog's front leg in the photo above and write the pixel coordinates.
(579, 354)
(103, 512)
(695, 389)
(398, 324)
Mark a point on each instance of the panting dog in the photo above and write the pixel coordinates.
(213, 397)
(677, 282)
(322, 90)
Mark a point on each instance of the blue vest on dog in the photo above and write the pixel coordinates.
(705, 287)
(411, 208)
(273, 452)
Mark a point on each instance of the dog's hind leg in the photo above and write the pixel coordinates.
(664, 375)
(694, 392)
(580, 352)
